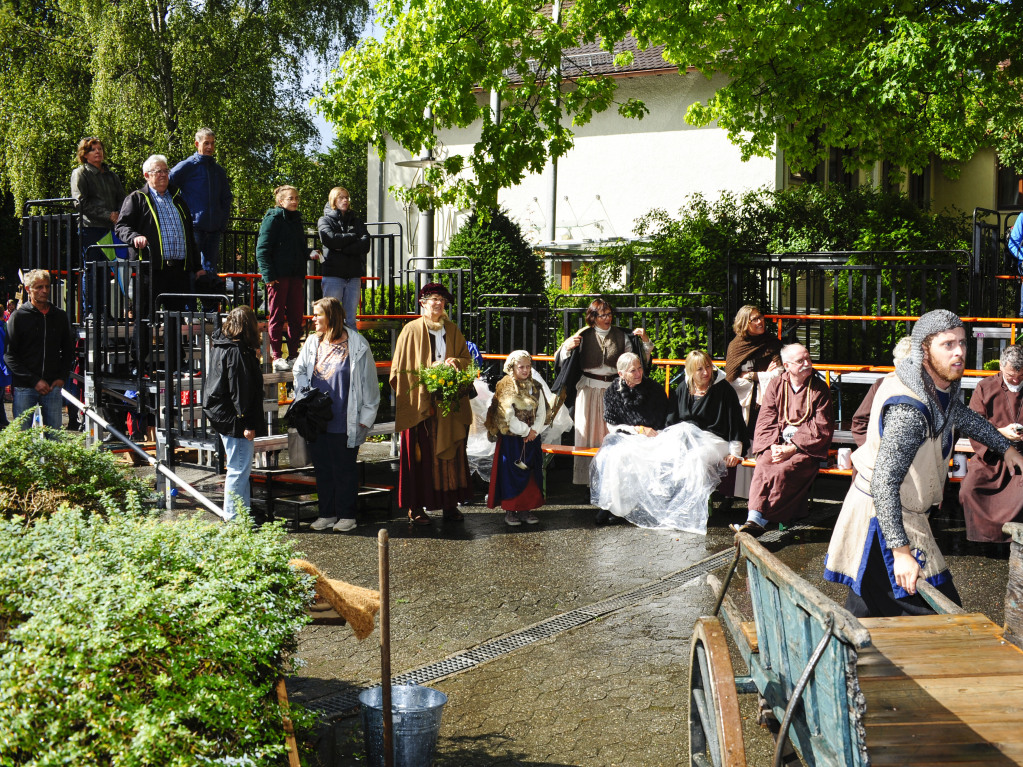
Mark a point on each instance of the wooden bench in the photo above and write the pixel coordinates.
(267, 449)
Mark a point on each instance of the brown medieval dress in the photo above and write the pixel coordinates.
(779, 490)
(433, 471)
(989, 496)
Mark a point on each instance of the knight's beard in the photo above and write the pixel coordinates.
(942, 372)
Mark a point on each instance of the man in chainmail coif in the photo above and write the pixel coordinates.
(882, 541)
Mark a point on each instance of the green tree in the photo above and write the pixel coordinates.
(501, 259)
(144, 74)
(897, 81)
(441, 57)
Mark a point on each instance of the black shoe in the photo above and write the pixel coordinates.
(603, 518)
(453, 515)
(750, 527)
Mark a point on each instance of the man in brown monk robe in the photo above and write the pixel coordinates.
(793, 435)
(989, 499)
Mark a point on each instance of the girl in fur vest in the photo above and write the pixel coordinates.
(516, 419)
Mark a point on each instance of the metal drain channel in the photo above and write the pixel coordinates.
(346, 703)
(341, 704)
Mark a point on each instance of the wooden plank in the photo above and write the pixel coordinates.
(749, 631)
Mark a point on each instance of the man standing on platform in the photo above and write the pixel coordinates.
(989, 496)
(207, 193)
(40, 351)
(882, 543)
(792, 437)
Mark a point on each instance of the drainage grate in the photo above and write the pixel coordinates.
(342, 704)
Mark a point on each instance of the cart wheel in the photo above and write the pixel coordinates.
(715, 728)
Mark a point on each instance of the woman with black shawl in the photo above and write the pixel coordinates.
(663, 479)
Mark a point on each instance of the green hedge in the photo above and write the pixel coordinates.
(131, 641)
(37, 474)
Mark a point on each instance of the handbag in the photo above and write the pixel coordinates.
(309, 413)
(298, 450)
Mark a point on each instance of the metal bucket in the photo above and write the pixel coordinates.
(416, 714)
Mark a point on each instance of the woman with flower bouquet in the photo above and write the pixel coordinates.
(517, 417)
(430, 352)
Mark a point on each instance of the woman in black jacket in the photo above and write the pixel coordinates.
(233, 400)
(345, 245)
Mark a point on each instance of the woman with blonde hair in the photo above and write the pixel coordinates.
(337, 360)
(282, 254)
(345, 241)
(664, 481)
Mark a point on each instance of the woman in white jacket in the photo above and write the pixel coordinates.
(337, 360)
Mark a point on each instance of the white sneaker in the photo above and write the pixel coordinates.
(512, 519)
(528, 517)
(281, 365)
(322, 523)
(344, 525)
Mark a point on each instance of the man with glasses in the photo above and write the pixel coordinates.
(40, 352)
(793, 434)
(157, 226)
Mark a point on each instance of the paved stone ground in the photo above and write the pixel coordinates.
(611, 692)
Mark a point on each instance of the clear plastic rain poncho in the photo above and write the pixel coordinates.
(662, 482)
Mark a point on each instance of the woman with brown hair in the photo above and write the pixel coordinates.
(337, 360)
(99, 194)
(233, 400)
(753, 351)
(433, 471)
(586, 365)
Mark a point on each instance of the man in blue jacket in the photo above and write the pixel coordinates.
(207, 192)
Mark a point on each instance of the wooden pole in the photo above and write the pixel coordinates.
(385, 647)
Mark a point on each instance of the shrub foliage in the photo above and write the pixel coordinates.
(502, 261)
(129, 641)
(37, 474)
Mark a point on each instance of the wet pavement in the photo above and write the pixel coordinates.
(611, 691)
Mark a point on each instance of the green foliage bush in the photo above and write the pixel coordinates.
(129, 641)
(502, 261)
(37, 474)
(691, 252)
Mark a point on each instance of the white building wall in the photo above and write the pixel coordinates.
(618, 171)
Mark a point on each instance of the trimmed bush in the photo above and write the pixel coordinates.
(129, 641)
(37, 475)
(502, 260)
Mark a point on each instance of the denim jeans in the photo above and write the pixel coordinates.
(347, 292)
(337, 481)
(239, 452)
(53, 405)
(209, 249)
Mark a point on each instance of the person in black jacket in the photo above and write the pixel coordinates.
(233, 400)
(156, 217)
(345, 245)
(40, 351)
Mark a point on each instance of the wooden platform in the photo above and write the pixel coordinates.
(942, 689)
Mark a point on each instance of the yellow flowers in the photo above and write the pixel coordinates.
(446, 383)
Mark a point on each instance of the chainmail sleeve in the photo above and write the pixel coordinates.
(905, 429)
(975, 426)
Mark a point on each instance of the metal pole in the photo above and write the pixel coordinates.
(385, 648)
(88, 412)
(552, 216)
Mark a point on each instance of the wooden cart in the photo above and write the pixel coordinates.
(846, 692)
